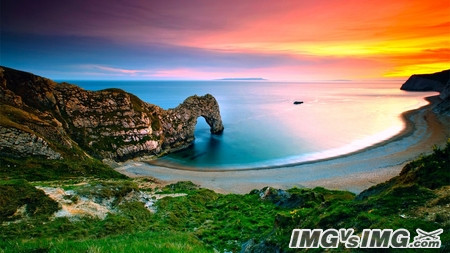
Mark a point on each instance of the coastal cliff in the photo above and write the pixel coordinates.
(58, 122)
(41, 118)
(427, 82)
(439, 81)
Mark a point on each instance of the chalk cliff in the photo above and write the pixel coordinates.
(39, 117)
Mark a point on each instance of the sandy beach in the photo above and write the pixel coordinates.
(354, 172)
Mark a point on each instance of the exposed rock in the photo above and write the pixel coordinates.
(261, 247)
(427, 82)
(445, 93)
(286, 199)
(418, 83)
(23, 144)
(179, 124)
(444, 106)
(74, 205)
(110, 124)
(439, 82)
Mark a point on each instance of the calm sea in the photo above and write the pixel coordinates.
(264, 128)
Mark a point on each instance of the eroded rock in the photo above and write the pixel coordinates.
(111, 124)
(24, 144)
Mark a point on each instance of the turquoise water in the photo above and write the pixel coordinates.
(264, 128)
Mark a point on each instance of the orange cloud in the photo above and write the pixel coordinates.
(407, 36)
(294, 38)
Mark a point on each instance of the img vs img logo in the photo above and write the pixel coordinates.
(369, 238)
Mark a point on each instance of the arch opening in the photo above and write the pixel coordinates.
(215, 124)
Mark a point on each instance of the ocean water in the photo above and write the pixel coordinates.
(264, 128)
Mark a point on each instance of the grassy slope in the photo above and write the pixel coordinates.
(202, 220)
(17, 193)
(136, 242)
(37, 169)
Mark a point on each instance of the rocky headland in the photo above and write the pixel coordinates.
(42, 118)
(427, 82)
(439, 81)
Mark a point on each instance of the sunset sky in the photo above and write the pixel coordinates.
(204, 39)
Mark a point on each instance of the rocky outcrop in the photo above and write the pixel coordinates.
(445, 93)
(418, 83)
(444, 106)
(179, 124)
(439, 82)
(23, 144)
(427, 82)
(109, 124)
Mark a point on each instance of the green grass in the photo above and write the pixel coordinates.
(148, 241)
(17, 193)
(219, 220)
(203, 220)
(38, 169)
(9, 116)
(180, 187)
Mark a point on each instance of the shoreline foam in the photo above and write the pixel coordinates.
(354, 171)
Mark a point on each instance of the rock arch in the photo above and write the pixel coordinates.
(179, 123)
(107, 124)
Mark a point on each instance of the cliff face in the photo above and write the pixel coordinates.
(439, 82)
(427, 82)
(444, 106)
(59, 120)
(445, 93)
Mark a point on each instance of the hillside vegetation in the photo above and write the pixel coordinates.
(185, 218)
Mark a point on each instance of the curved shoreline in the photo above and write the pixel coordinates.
(353, 171)
(407, 131)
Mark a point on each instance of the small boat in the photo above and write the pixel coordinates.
(298, 102)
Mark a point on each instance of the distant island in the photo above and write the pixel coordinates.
(242, 79)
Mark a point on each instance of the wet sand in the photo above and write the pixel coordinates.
(354, 172)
